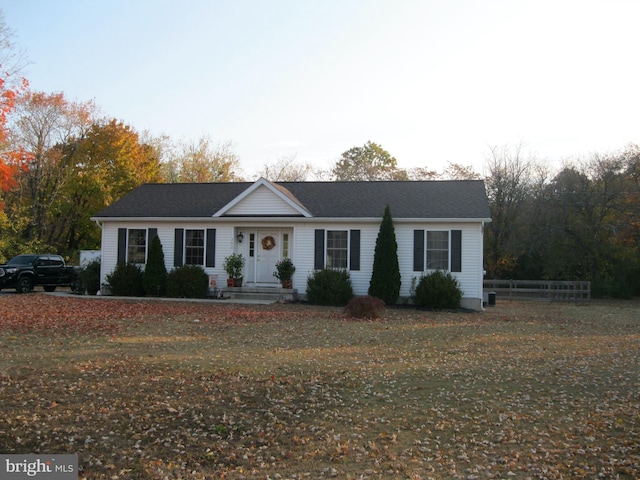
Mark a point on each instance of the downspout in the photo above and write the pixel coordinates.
(101, 272)
(482, 270)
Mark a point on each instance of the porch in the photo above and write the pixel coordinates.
(274, 294)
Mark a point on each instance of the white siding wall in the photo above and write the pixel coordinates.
(304, 254)
(262, 202)
(470, 277)
(303, 249)
(166, 233)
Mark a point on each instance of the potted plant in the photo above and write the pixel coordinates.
(233, 265)
(284, 272)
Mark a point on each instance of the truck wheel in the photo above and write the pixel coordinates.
(25, 285)
(50, 288)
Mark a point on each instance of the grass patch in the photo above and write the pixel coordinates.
(179, 390)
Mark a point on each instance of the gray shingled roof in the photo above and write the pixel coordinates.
(411, 199)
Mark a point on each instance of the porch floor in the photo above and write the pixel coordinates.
(276, 294)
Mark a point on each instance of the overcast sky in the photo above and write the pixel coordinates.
(431, 81)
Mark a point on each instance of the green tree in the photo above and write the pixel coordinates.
(369, 162)
(385, 280)
(586, 216)
(154, 279)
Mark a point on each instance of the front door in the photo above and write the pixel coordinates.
(268, 250)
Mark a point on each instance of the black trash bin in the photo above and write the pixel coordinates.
(491, 299)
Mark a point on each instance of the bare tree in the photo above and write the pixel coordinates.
(45, 124)
(455, 171)
(286, 169)
(508, 185)
(422, 173)
(12, 60)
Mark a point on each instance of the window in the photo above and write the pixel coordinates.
(194, 247)
(137, 245)
(252, 244)
(437, 250)
(285, 245)
(337, 249)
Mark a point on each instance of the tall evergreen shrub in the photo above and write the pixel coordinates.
(385, 279)
(90, 277)
(154, 280)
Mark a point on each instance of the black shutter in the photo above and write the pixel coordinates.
(418, 250)
(152, 233)
(318, 255)
(178, 246)
(354, 252)
(122, 245)
(456, 250)
(211, 248)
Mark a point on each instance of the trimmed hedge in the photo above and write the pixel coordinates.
(329, 287)
(439, 290)
(126, 280)
(187, 281)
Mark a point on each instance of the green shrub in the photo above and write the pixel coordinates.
(187, 281)
(365, 306)
(89, 277)
(329, 287)
(438, 290)
(126, 280)
(154, 279)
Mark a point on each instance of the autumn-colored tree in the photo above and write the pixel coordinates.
(109, 162)
(201, 161)
(48, 128)
(11, 161)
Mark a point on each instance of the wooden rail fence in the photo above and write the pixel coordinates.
(546, 290)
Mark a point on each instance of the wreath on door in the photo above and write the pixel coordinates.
(268, 242)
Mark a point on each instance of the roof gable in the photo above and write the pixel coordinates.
(261, 199)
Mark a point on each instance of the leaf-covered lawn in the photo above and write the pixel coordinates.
(160, 390)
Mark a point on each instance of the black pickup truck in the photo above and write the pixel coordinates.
(27, 271)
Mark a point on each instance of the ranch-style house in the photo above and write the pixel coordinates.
(438, 225)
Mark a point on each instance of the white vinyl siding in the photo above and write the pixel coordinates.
(262, 202)
(301, 248)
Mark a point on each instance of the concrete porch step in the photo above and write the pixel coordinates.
(261, 293)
